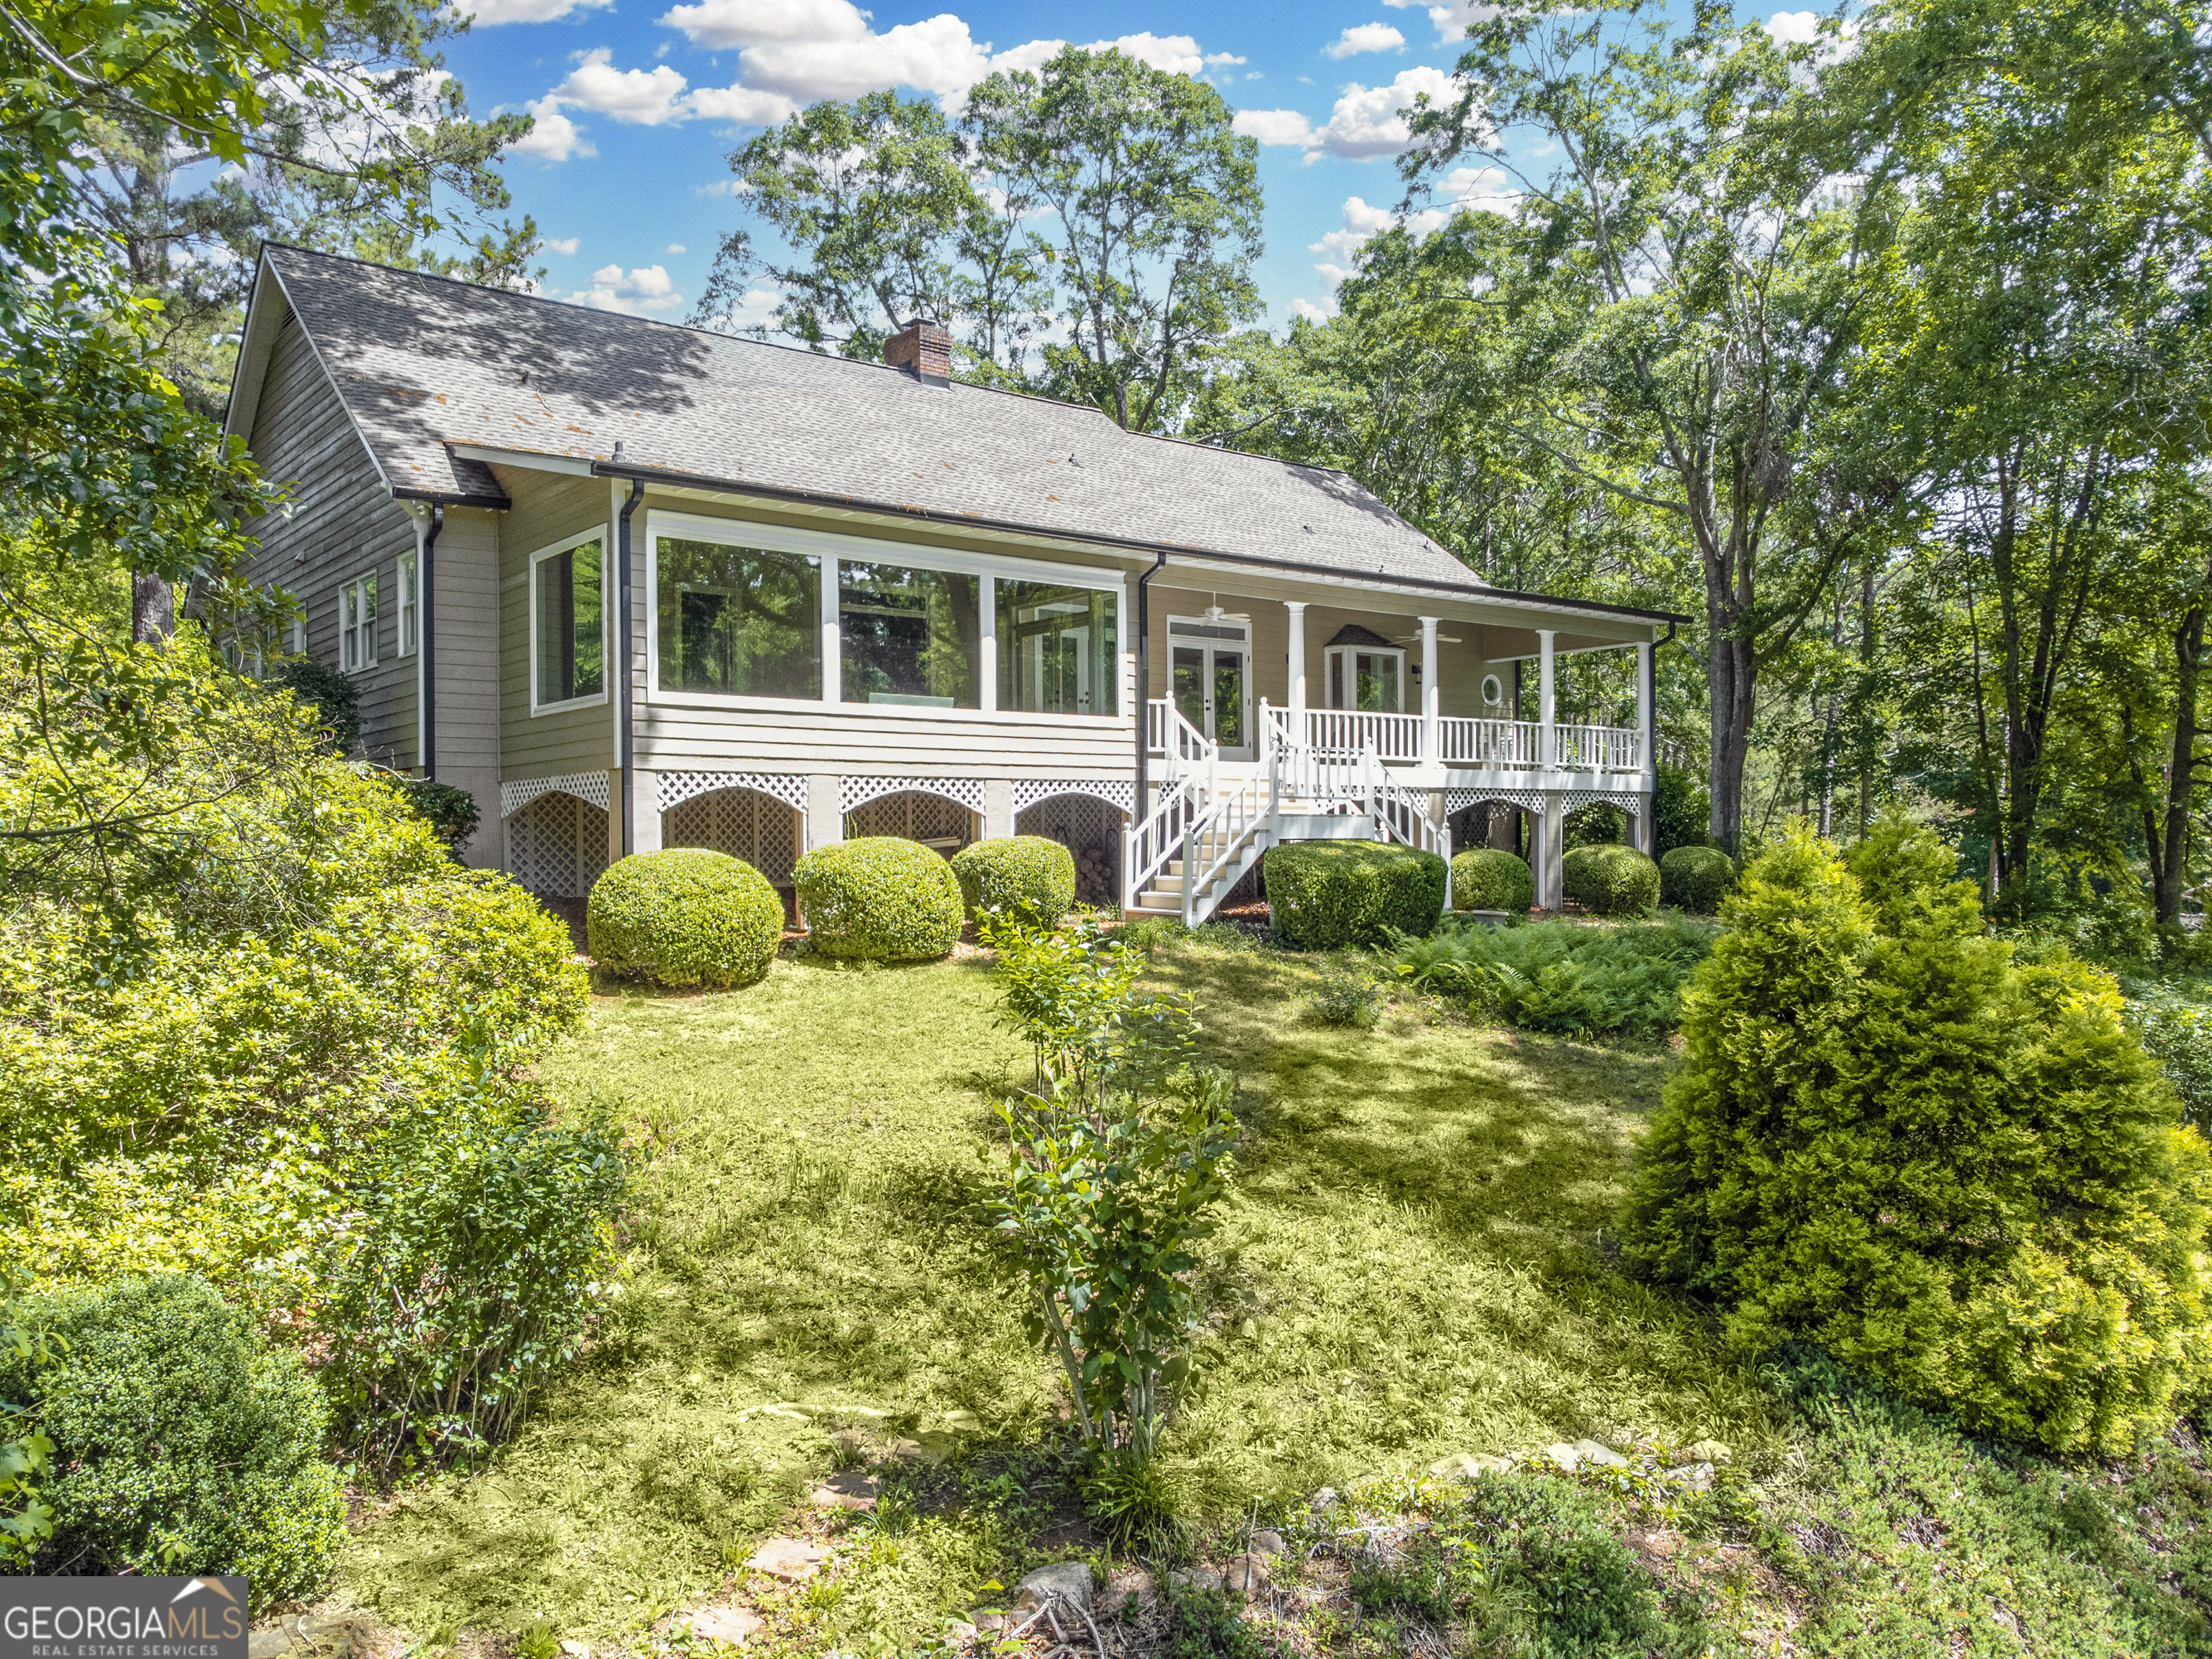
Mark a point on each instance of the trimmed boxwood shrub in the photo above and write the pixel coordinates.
(184, 1443)
(1610, 879)
(1492, 878)
(1956, 1173)
(881, 898)
(1029, 876)
(1696, 877)
(1323, 894)
(683, 917)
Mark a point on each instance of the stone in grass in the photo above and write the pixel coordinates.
(1244, 1575)
(788, 1559)
(959, 1632)
(271, 1644)
(1466, 1466)
(1697, 1477)
(1562, 1457)
(573, 1650)
(1064, 1581)
(736, 1625)
(1603, 1455)
(849, 1491)
(1195, 1578)
(1706, 1451)
(1267, 1541)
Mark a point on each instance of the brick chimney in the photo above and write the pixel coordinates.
(922, 348)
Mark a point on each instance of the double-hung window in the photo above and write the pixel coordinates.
(357, 624)
(411, 608)
(569, 625)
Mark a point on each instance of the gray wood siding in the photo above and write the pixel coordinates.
(343, 524)
(466, 567)
(548, 507)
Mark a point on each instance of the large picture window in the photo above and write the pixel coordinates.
(568, 637)
(741, 620)
(907, 635)
(1058, 649)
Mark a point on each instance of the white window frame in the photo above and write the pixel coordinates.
(1329, 679)
(608, 601)
(408, 612)
(828, 548)
(353, 636)
(296, 634)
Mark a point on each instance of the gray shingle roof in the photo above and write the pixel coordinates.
(424, 363)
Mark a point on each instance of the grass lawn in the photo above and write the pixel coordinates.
(1416, 1260)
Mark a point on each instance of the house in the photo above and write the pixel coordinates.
(635, 585)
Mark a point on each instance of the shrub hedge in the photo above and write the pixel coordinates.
(1696, 877)
(1324, 894)
(1032, 877)
(881, 898)
(1957, 1173)
(1492, 878)
(184, 1443)
(1610, 879)
(684, 916)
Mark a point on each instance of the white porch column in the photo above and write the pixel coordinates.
(644, 810)
(833, 667)
(1551, 834)
(1646, 726)
(987, 647)
(1547, 741)
(1297, 610)
(998, 808)
(825, 812)
(1432, 694)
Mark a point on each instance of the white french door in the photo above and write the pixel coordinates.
(1210, 677)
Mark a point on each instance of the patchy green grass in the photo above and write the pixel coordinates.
(1416, 1261)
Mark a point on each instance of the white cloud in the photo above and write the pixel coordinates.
(566, 246)
(746, 106)
(720, 24)
(1795, 28)
(639, 291)
(1312, 312)
(756, 308)
(1451, 20)
(488, 12)
(1219, 59)
(646, 98)
(673, 247)
(1367, 37)
(1479, 190)
(552, 136)
(1176, 54)
(1366, 123)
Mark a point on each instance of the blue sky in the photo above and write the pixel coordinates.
(640, 101)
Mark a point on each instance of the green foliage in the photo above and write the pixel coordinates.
(26, 1458)
(1681, 811)
(881, 898)
(1594, 826)
(1130, 1499)
(1071, 992)
(2175, 1028)
(465, 1274)
(1208, 1625)
(1347, 996)
(1696, 877)
(1610, 879)
(1558, 1578)
(1562, 976)
(328, 695)
(1031, 876)
(1322, 895)
(451, 811)
(184, 1443)
(1492, 878)
(684, 916)
(1958, 1174)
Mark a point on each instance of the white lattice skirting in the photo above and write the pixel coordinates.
(1628, 800)
(855, 792)
(518, 792)
(1114, 792)
(676, 787)
(1455, 799)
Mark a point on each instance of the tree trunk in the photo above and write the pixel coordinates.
(2169, 851)
(1731, 684)
(153, 610)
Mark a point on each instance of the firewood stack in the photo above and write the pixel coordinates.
(1098, 872)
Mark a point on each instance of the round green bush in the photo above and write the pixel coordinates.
(1696, 877)
(1492, 878)
(1610, 879)
(1323, 894)
(685, 916)
(1958, 1174)
(184, 1443)
(1029, 876)
(881, 898)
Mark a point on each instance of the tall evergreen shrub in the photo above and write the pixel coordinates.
(1960, 1175)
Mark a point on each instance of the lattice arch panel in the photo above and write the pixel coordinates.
(557, 845)
(931, 819)
(1485, 824)
(747, 824)
(1091, 830)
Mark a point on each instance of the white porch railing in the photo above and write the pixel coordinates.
(1600, 748)
(1344, 732)
(1506, 745)
(1511, 745)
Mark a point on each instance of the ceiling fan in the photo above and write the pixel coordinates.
(1214, 613)
(1442, 638)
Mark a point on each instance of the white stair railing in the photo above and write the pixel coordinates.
(1156, 840)
(1185, 749)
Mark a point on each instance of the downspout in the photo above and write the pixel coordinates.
(1145, 686)
(628, 693)
(425, 574)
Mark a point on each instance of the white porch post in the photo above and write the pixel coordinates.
(833, 668)
(1547, 743)
(987, 646)
(1548, 872)
(1431, 693)
(1648, 749)
(1297, 610)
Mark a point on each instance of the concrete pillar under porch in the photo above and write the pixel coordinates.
(645, 813)
(825, 810)
(998, 808)
(1546, 837)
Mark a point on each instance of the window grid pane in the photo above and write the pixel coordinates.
(907, 635)
(740, 621)
(571, 625)
(1057, 649)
